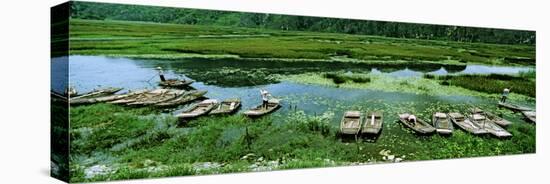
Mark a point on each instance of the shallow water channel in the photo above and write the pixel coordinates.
(243, 79)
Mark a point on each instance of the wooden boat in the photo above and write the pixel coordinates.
(351, 122)
(489, 125)
(139, 97)
(442, 123)
(466, 124)
(199, 109)
(97, 93)
(373, 123)
(272, 105)
(105, 98)
(228, 106)
(498, 120)
(175, 83)
(514, 107)
(530, 115)
(183, 99)
(168, 95)
(420, 126)
(494, 118)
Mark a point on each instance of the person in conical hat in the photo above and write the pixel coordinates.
(161, 74)
(265, 97)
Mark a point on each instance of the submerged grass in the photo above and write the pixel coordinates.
(154, 145)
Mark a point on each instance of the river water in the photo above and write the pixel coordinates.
(89, 72)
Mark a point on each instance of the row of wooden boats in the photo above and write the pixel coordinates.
(528, 113)
(478, 122)
(353, 123)
(226, 107)
(155, 97)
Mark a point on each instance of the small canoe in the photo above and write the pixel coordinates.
(183, 99)
(168, 95)
(97, 93)
(489, 125)
(351, 122)
(228, 106)
(373, 123)
(272, 105)
(175, 83)
(199, 109)
(420, 126)
(530, 115)
(82, 101)
(514, 107)
(466, 124)
(442, 123)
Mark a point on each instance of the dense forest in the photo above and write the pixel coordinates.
(100, 11)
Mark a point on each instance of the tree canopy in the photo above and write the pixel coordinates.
(103, 11)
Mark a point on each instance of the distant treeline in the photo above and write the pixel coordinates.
(100, 11)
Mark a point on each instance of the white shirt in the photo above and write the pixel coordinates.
(505, 92)
(265, 94)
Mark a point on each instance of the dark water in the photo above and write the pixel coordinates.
(89, 72)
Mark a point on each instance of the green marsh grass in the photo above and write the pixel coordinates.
(154, 145)
(166, 41)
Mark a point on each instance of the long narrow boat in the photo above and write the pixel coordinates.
(199, 109)
(228, 106)
(373, 123)
(351, 123)
(272, 105)
(514, 107)
(106, 98)
(97, 93)
(494, 118)
(183, 99)
(530, 115)
(498, 120)
(489, 125)
(142, 96)
(420, 126)
(442, 123)
(175, 83)
(168, 95)
(466, 124)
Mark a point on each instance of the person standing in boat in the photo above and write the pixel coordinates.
(161, 74)
(265, 98)
(505, 93)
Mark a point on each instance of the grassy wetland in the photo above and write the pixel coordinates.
(317, 75)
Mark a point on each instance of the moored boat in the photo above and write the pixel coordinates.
(228, 106)
(168, 95)
(351, 122)
(199, 109)
(138, 97)
(514, 107)
(530, 115)
(466, 124)
(442, 123)
(494, 118)
(183, 99)
(489, 125)
(81, 101)
(373, 122)
(97, 93)
(420, 126)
